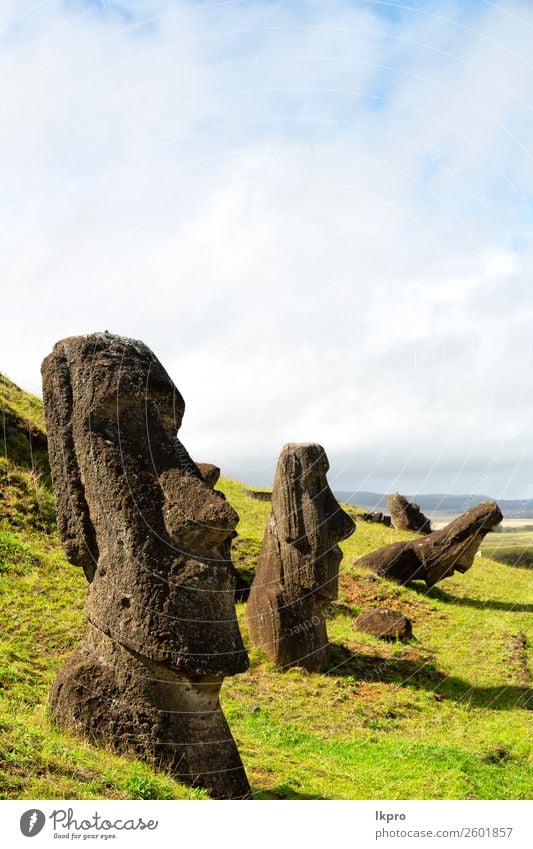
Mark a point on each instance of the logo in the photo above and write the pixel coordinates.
(32, 822)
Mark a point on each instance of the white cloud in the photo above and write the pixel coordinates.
(318, 217)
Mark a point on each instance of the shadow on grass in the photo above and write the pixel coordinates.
(284, 791)
(464, 601)
(373, 669)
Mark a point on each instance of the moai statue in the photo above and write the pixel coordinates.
(406, 515)
(439, 554)
(209, 473)
(298, 567)
(153, 540)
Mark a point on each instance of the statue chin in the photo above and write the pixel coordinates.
(134, 706)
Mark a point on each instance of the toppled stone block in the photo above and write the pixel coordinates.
(385, 624)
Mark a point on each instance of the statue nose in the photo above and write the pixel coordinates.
(341, 524)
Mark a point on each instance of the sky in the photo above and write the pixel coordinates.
(319, 216)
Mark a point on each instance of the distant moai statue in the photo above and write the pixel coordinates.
(406, 515)
(298, 567)
(439, 554)
(153, 540)
(209, 473)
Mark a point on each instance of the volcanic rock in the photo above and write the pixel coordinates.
(407, 516)
(439, 554)
(259, 494)
(153, 540)
(385, 624)
(376, 518)
(209, 473)
(298, 567)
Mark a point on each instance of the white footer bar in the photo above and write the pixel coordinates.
(272, 824)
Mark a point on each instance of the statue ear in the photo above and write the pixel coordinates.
(73, 518)
(289, 497)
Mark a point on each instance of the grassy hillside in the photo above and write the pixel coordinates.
(444, 716)
(41, 621)
(514, 547)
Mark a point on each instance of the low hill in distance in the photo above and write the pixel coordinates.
(442, 716)
(441, 506)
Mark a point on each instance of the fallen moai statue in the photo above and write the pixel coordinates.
(209, 473)
(439, 554)
(153, 540)
(407, 516)
(376, 518)
(298, 567)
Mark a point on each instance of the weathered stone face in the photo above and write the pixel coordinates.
(298, 567)
(134, 511)
(439, 554)
(407, 516)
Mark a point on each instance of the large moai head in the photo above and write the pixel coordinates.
(298, 568)
(133, 510)
(153, 539)
(407, 516)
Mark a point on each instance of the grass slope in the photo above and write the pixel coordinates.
(41, 621)
(513, 547)
(444, 716)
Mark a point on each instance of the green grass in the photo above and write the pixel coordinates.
(42, 620)
(512, 547)
(443, 716)
(23, 429)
